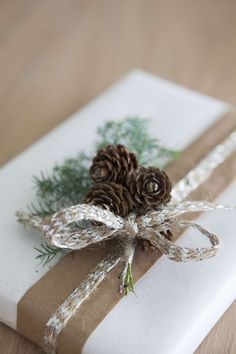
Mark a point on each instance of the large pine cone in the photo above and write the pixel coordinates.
(110, 196)
(113, 163)
(149, 187)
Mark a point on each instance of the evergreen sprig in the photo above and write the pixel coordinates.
(66, 185)
(135, 135)
(46, 253)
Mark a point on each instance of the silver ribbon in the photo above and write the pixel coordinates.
(204, 168)
(59, 231)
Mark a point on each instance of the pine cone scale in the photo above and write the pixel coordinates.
(113, 163)
(149, 188)
(111, 196)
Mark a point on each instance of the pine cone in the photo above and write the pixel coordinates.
(149, 188)
(110, 196)
(113, 163)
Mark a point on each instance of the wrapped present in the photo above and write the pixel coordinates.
(176, 304)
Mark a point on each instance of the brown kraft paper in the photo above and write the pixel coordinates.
(43, 298)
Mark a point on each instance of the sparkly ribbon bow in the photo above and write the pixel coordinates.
(151, 226)
(59, 231)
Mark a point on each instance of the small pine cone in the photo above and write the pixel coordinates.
(110, 196)
(149, 187)
(113, 163)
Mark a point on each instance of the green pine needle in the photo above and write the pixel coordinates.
(46, 253)
(66, 185)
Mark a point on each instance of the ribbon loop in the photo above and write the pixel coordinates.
(78, 239)
(185, 254)
(57, 225)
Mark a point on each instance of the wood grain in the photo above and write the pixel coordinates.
(56, 55)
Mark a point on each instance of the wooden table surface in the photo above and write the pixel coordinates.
(57, 55)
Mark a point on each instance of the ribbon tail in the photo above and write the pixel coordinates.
(29, 219)
(204, 168)
(67, 309)
(185, 254)
(170, 211)
(80, 212)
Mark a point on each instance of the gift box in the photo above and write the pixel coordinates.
(176, 304)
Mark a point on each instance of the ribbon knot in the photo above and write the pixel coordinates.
(131, 227)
